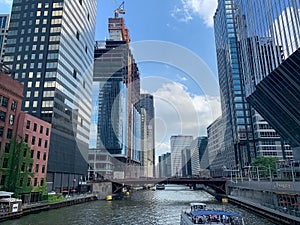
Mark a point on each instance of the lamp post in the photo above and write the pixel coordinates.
(74, 181)
(292, 171)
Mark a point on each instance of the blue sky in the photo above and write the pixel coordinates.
(186, 26)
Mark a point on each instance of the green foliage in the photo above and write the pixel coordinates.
(17, 171)
(265, 164)
(56, 198)
(42, 190)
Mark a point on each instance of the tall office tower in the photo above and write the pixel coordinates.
(186, 162)
(198, 148)
(116, 95)
(178, 143)
(215, 147)
(270, 42)
(50, 47)
(148, 135)
(4, 22)
(238, 140)
(164, 162)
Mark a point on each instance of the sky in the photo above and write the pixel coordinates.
(173, 44)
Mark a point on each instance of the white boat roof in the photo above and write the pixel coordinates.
(5, 194)
(197, 203)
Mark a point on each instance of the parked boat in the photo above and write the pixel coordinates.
(160, 187)
(199, 214)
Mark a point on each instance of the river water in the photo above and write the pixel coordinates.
(145, 207)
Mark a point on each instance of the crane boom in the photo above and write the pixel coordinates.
(120, 10)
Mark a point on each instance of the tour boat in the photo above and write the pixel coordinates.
(160, 187)
(198, 214)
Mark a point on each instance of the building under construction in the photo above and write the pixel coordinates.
(116, 117)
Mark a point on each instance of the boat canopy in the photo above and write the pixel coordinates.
(197, 204)
(213, 212)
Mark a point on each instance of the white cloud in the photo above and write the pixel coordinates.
(179, 112)
(205, 9)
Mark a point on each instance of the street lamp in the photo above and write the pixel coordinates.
(292, 170)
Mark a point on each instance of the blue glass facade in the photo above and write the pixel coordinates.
(269, 33)
(238, 136)
(118, 119)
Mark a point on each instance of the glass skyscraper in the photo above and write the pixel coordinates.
(148, 134)
(247, 134)
(179, 143)
(238, 139)
(270, 41)
(50, 49)
(4, 22)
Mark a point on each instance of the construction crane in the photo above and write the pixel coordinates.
(120, 10)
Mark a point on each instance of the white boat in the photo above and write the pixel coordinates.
(199, 214)
(160, 187)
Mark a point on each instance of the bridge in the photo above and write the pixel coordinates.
(217, 184)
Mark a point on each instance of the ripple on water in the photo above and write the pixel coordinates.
(141, 208)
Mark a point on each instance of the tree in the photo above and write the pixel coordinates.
(18, 173)
(265, 164)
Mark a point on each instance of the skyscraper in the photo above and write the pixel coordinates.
(247, 133)
(148, 134)
(238, 140)
(198, 148)
(116, 121)
(178, 144)
(270, 42)
(50, 49)
(4, 22)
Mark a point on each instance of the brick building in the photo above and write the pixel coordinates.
(36, 133)
(11, 94)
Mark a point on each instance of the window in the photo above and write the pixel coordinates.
(7, 147)
(35, 182)
(3, 179)
(74, 73)
(40, 142)
(3, 101)
(26, 138)
(27, 124)
(77, 35)
(1, 131)
(41, 129)
(43, 168)
(11, 119)
(2, 116)
(32, 154)
(38, 155)
(5, 163)
(37, 168)
(14, 105)
(33, 140)
(46, 144)
(44, 156)
(34, 127)
(9, 133)
(47, 131)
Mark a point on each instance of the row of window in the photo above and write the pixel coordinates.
(35, 127)
(33, 141)
(38, 155)
(35, 181)
(4, 103)
(9, 132)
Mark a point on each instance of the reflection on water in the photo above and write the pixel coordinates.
(142, 207)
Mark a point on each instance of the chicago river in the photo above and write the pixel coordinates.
(141, 207)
